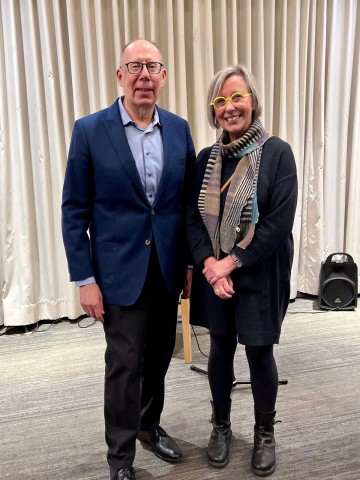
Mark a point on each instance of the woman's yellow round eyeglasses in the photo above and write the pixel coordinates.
(237, 97)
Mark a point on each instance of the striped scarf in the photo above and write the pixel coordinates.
(241, 210)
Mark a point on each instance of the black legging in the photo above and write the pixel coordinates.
(263, 372)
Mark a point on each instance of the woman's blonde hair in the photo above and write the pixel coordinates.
(217, 83)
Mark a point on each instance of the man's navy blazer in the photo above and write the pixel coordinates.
(103, 196)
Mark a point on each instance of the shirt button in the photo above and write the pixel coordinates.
(147, 242)
(150, 195)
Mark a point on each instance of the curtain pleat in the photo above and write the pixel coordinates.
(312, 214)
(58, 62)
(352, 231)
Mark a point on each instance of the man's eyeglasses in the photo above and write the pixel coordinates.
(237, 97)
(136, 67)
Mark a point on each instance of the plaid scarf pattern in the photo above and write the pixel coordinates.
(240, 211)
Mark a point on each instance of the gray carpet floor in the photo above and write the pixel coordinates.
(51, 393)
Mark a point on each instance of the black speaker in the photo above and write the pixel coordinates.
(338, 283)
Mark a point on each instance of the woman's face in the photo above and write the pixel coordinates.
(235, 119)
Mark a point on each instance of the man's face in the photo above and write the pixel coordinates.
(140, 90)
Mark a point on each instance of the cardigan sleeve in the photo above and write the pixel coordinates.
(277, 196)
(197, 236)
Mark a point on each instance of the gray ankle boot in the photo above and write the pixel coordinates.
(263, 458)
(218, 446)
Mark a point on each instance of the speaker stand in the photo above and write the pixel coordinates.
(235, 382)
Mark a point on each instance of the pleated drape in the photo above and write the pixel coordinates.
(58, 61)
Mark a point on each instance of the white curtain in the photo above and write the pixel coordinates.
(58, 60)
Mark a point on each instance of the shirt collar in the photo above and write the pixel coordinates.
(126, 119)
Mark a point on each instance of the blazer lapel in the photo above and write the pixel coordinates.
(116, 133)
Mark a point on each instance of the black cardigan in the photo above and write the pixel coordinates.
(262, 284)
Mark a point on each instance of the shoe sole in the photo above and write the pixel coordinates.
(165, 459)
(264, 473)
(218, 464)
(148, 447)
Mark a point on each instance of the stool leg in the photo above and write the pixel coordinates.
(186, 331)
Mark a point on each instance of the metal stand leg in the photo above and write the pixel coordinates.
(235, 382)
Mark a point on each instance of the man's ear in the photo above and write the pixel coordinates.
(163, 73)
(119, 77)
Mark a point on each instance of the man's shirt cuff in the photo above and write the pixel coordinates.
(86, 281)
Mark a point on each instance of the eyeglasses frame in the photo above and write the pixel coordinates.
(227, 99)
(142, 66)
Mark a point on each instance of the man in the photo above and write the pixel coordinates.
(124, 185)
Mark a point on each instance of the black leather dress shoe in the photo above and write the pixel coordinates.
(161, 444)
(122, 474)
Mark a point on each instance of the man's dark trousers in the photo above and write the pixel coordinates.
(140, 341)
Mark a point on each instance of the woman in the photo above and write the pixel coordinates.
(240, 216)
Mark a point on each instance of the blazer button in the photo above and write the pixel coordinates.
(152, 211)
(147, 242)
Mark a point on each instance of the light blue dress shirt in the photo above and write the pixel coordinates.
(147, 149)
